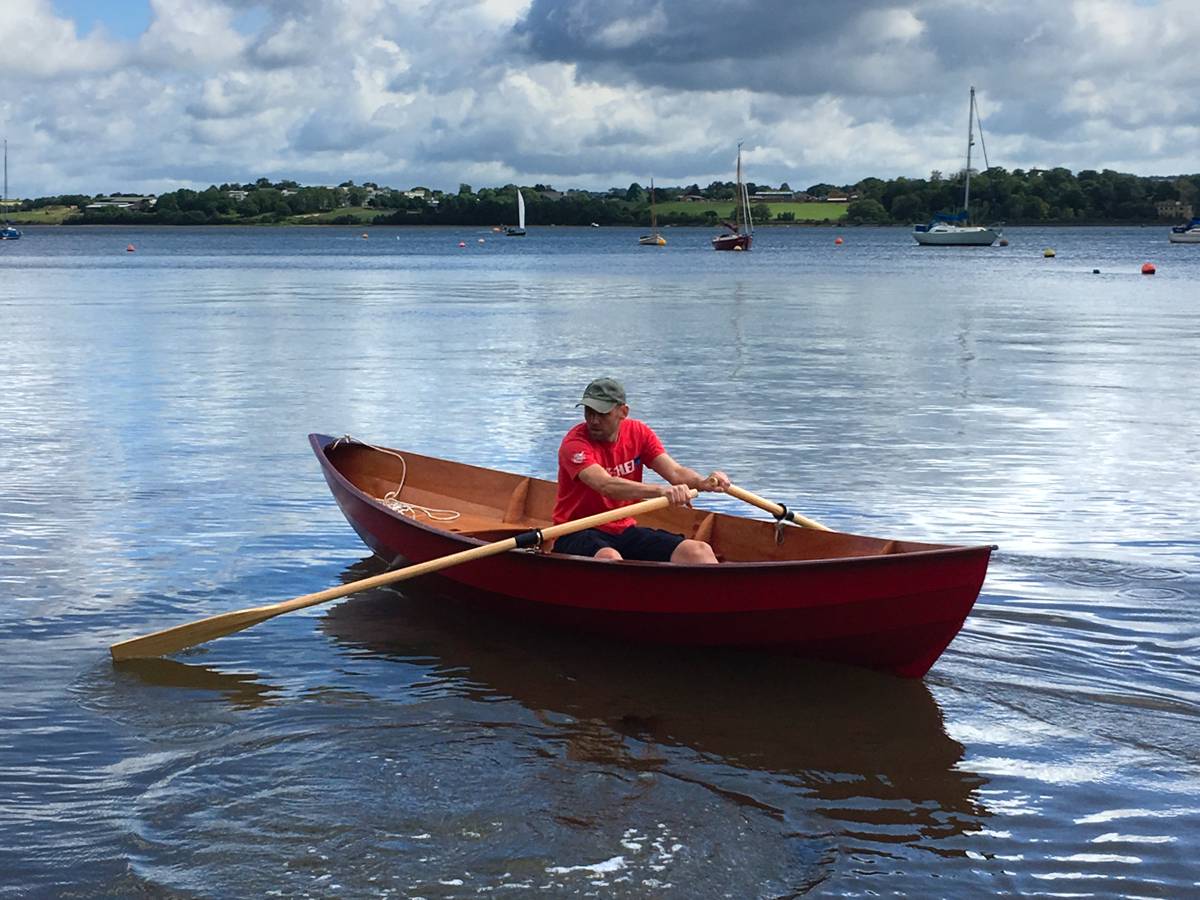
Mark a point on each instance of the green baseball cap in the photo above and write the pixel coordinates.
(602, 395)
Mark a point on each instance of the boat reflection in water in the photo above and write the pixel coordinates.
(242, 690)
(861, 747)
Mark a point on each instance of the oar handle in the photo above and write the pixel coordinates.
(775, 509)
(180, 637)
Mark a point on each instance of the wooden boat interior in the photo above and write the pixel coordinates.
(493, 505)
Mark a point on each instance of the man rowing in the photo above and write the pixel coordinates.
(600, 465)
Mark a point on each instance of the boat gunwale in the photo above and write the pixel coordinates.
(320, 442)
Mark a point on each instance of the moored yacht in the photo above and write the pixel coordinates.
(955, 230)
(1185, 234)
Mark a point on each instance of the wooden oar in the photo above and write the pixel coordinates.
(774, 508)
(169, 640)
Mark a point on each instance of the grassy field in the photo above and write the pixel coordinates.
(47, 215)
(363, 214)
(831, 212)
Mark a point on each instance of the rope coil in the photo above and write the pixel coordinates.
(392, 498)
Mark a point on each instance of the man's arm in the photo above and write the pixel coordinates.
(615, 488)
(675, 473)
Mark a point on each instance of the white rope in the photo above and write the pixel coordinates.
(392, 498)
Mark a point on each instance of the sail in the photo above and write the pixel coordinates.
(520, 210)
(743, 219)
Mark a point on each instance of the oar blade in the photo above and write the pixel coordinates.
(170, 640)
(181, 637)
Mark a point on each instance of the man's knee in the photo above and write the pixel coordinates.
(607, 553)
(693, 552)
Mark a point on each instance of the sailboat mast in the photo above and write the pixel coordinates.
(5, 198)
(743, 197)
(653, 218)
(970, 143)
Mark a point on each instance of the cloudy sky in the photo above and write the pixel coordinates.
(151, 95)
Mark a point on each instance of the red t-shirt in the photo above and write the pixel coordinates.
(636, 444)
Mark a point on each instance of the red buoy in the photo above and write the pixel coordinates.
(837, 240)
(130, 248)
(1148, 268)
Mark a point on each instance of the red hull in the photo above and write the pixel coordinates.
(895, 611)
(731, 242)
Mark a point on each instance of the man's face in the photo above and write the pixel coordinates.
(605, 426)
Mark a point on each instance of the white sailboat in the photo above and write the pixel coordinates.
(1185, 234)
(9, 232)
(519, 231)
(952, 230)
(654, 239)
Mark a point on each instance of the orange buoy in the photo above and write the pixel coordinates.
(837, 240)
(130, 248)
(1148, 269)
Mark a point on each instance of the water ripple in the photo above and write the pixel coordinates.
(396, 744)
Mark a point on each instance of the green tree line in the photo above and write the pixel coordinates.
(1023, 197)
(997, 195)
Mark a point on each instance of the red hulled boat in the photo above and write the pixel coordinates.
(741, 229)
(885, 604)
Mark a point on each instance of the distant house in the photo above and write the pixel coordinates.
(773, 196)
(692, 198)
(375, 196)
(551, 195)
(239, 196)
(1173, 209)
(124, 201)
(418, 193)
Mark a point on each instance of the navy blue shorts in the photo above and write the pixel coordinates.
(635, 542)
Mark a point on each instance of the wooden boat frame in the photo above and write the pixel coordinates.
(885, 604)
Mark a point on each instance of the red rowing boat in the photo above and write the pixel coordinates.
(885, 604)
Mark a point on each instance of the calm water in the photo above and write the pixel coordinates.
(153, 410)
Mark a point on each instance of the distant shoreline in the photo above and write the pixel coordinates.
(485, 229)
